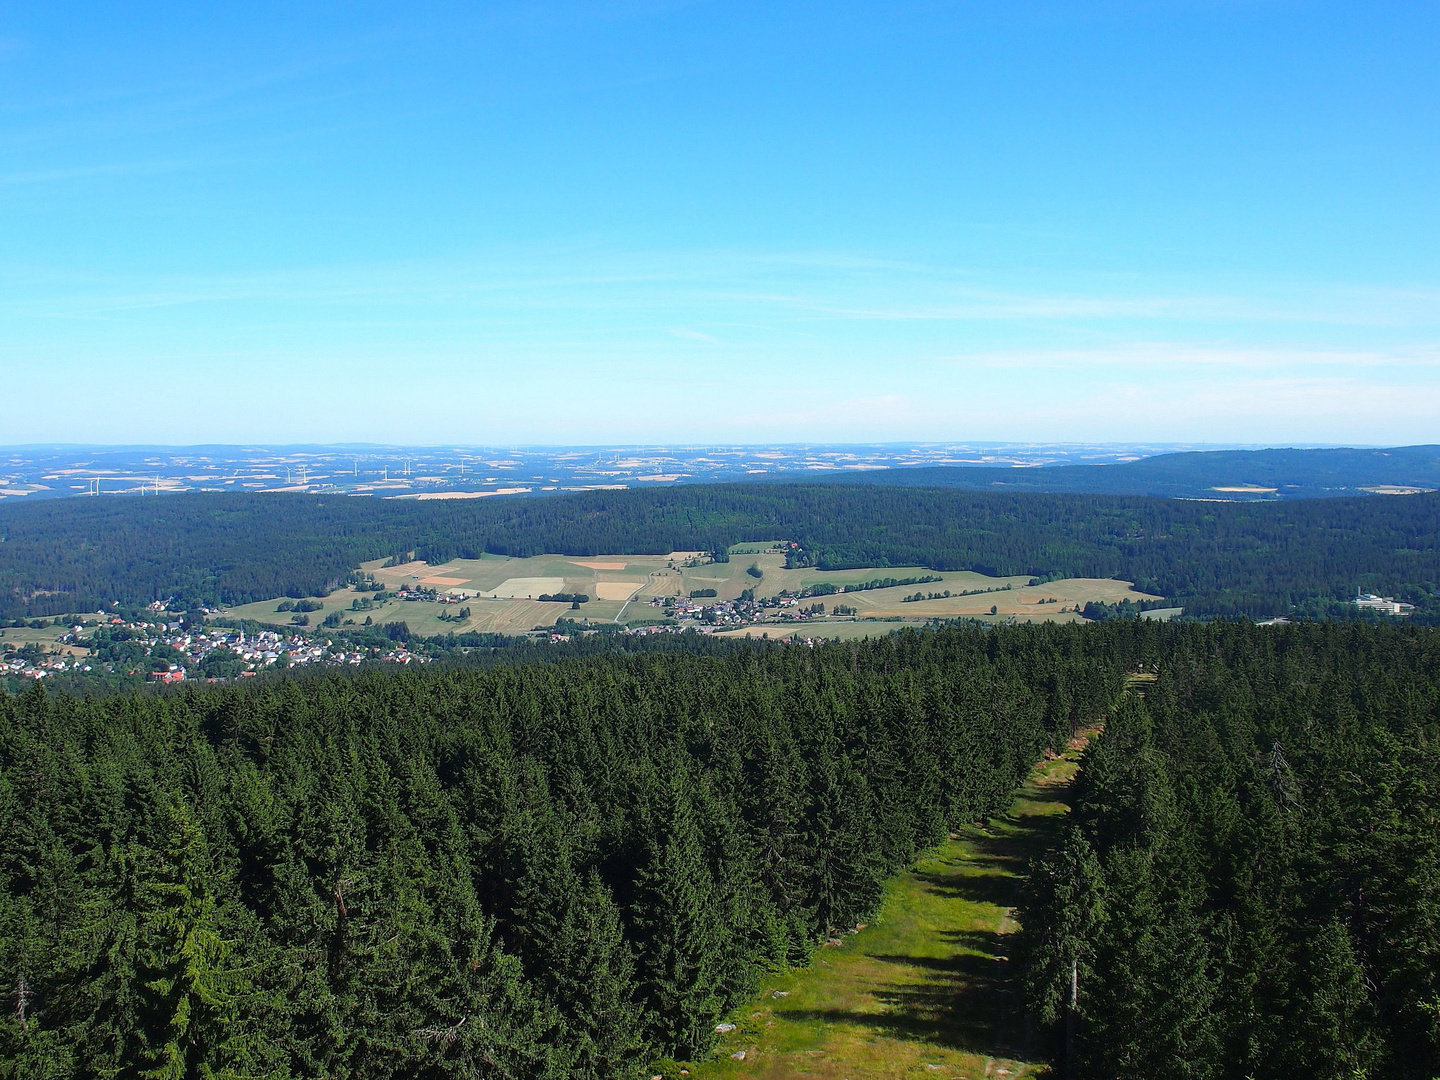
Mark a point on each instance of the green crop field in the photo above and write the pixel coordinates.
(922, 991)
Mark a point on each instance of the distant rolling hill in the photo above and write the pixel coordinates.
(1236, 475)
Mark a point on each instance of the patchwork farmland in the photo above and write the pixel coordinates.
(502, 595)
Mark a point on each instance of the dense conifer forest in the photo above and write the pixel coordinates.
(1212, 558)
(541, 870)
(1250, 881)
(576, 867)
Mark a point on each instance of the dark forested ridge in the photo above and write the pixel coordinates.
(1213, 558)
(535, 871)
(1250, 881)
(1273, 474)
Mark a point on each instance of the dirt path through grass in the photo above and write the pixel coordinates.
(922, 991)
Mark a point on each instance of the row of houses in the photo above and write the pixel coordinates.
(231, 652)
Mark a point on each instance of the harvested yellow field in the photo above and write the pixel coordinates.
(527, 587)
(506, 617)
(399, 575)
(664, 583)
(616, 590)
(1054, 601)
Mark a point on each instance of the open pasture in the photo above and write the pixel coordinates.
(1054, 601)
(754, 547)
(508, 616)
(13, 637)
(1010, 596)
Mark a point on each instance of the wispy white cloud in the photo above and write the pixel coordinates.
(1178, 354)
(853, 347)
(784, 288)
(85, 172)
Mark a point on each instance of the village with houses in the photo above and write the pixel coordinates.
(159, 649)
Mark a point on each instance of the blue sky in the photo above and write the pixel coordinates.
(598, 222)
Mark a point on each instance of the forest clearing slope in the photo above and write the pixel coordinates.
(924, 989)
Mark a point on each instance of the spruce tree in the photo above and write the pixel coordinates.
(186, 1028)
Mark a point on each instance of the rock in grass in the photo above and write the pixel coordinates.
(724, 1029)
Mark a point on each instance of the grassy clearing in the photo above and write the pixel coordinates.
(487, 616)
(755, 547)
(923, 990)
(24, 635)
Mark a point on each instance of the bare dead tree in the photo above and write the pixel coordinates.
(23, 997)
(1282, 780)
(340, 887)
(445, 1037)
(1071, 1016)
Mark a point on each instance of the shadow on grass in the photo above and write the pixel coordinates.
(962, 1002)
(1047, 794)
(996, 887)
(993, 872)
